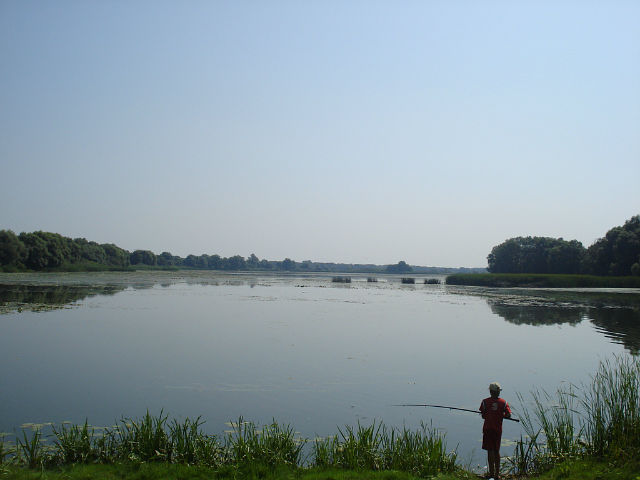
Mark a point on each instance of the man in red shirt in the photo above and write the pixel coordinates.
(493, 410)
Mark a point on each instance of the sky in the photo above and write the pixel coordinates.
(341, 131)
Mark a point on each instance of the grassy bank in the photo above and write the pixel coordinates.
(567, 470)
(541, 280)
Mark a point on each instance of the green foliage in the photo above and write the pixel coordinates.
(601, 420)
(274, 446)
(536, 255)
(74, 444)
(374, 447)
(615, 254)
(12, 250)
(400, 267)
(30, 449)
(617, 251)
(144, 257)
(612, 406)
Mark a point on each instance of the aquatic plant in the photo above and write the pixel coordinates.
(74, 444)
(612, 406)
(541, 280)
(409, 280)
(432, 281)
(274, 446)
(341, 279)
(375, 447)
(31, 451)
(600, 419)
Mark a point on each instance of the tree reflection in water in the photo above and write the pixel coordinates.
(48, 297)
(621, 325)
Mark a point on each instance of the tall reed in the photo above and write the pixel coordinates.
(612, 406)
(75, 444)
(274, 446)
(601, 418)
(375, 447)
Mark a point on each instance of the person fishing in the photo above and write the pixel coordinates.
(493, 409)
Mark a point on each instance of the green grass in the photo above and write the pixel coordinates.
(541, 280)
(374, 447)
(582, 469)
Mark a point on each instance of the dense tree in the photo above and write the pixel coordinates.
(400, 267)
(12, 250)
(165, 259)
(45, 250)
(83, 250)
(234, 263)
(536, 255)
(617, 252)
(215, 262)
(116, 256)
(144, 257)
(288, 265)
(566, 257)
(253, 261)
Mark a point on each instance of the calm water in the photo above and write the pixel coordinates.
(301, 350)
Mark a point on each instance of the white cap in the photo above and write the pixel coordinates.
(494, 387)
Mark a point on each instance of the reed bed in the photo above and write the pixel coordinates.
(247, 449)
(600, 419)
(341, 279)
(408, 280)
(375, 447)
(432, 281)
(542, 280)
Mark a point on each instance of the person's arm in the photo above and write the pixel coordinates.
(482, 408)
(507, 410)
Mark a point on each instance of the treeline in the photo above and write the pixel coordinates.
(45, 251)
(616, 254)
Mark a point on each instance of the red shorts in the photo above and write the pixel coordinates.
(491, 440)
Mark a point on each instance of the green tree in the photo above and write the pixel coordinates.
(165, 259)
(617, 251)
(536, 255)
(144, 257)
(12, 250)
(400, 267)
(234, 263)
(253, 261)
(288, 265)
(115, 256)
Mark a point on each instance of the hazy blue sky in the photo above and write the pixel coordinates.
(351, 131)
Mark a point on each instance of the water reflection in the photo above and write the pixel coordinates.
(526, 315)
(48, 297)
(620, 325)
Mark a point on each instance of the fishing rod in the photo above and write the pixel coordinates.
(445, 406)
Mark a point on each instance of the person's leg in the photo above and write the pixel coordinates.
(491, 462)
(496, 464)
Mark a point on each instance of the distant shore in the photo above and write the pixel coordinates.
(531, 280)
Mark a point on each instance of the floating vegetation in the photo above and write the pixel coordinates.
(372, 279)
(42, 298)
(432, 281)
(341, 279)
(409, 280)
